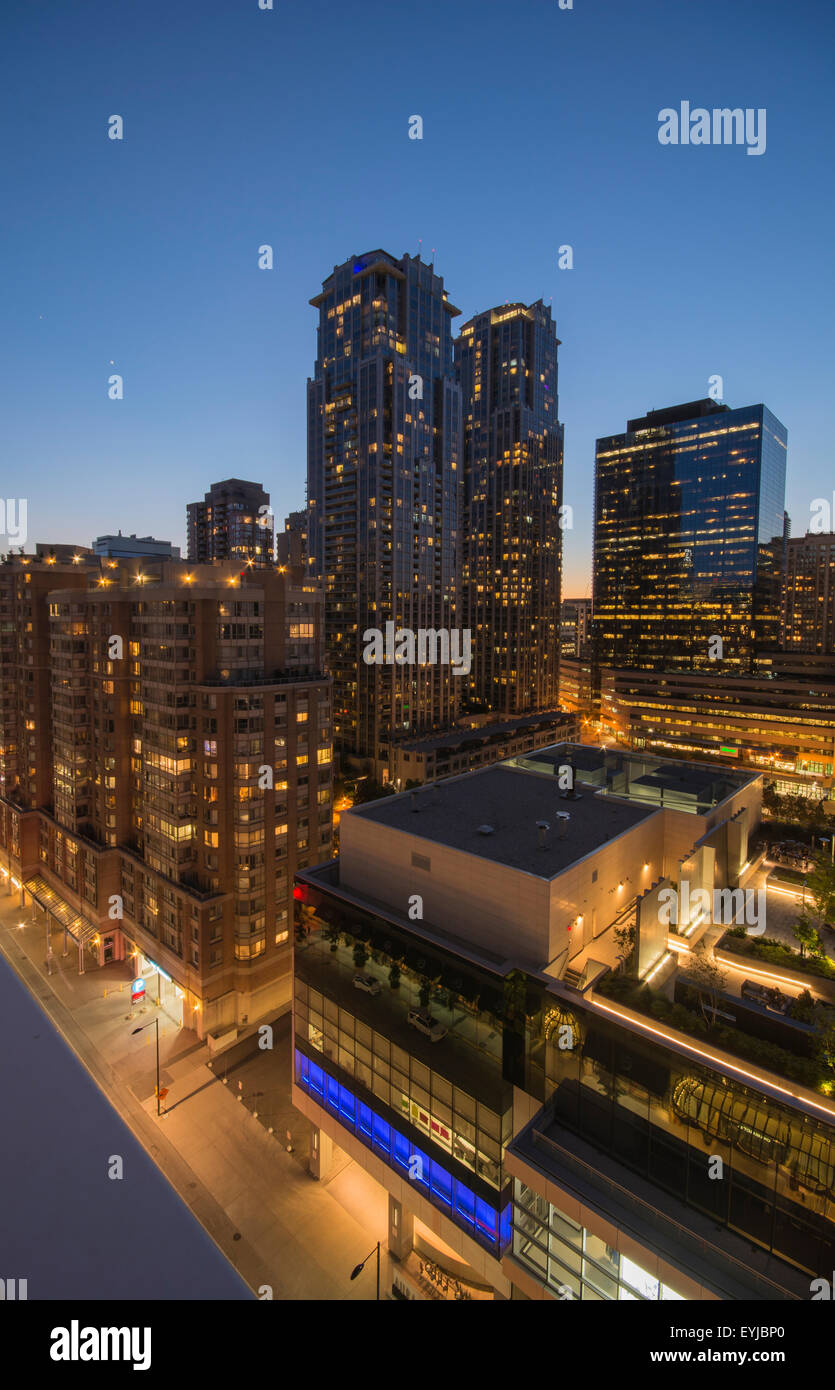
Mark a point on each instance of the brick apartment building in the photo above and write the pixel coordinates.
(165, 767)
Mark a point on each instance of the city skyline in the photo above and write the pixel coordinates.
(163, 243)
(417, 666)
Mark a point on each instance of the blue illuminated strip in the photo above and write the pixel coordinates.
(436, 1184)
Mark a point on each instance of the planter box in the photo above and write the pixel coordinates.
(221, 1039)
(756, 966)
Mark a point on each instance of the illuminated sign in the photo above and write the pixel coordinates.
(137, 990)
(723, 748)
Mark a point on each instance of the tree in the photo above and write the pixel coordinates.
(369, 790)
(360, 954)
(771, 799)
(821, 887)
(826, 1040)
(803, 1007)
(709, 981)
(625, 945)
(427, 984)
(806, 934)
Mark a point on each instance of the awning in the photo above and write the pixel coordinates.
(80, 929)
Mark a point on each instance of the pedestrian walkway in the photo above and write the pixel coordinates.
(280, 1228)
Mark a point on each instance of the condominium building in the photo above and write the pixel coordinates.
(25, 680)
(575, 627)
(459, 1032)
(506, 363)
(688, 505)
(384, 491)
(189, 742)
(808, 618)
(291, 543)
(233, 522)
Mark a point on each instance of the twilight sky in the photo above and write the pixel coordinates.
(245, 126)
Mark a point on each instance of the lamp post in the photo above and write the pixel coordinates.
(357, 1270)
(155, 1023)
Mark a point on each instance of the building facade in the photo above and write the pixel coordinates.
(688, 505)
(25, 703)
(577, 686)
(291, 543)
(384, 490)
(233, 522)
(458, 1033)
(506, 363)
(121, 547)
(475, 742)
(782, 724)
(809, 595)
(575, 627)
(188, 744)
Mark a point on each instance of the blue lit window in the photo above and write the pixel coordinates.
(430, 1176)
(380, 1135)
(347, 1106)
(441, 1185)
(317, 1079)
(464, 1204)
(400, 1150)
(485, 1218)
(332, 1097)
(506, 1225)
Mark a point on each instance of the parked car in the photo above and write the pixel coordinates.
(426, 1024)
(367, 983)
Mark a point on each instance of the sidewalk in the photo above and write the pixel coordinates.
(275, 1224)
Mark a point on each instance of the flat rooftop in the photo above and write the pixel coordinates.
(482, 732)
(641, 777)
(511, 800)
(693, 781)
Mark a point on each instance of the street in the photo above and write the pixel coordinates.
(282, 1230)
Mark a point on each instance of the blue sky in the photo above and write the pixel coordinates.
(290, 127)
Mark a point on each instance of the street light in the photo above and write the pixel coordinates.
(141, 1029)
(357, 1270)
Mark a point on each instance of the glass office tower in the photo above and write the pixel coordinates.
(506, 363)
(384, 426)
(688, 503)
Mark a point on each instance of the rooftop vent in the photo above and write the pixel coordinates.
(543, 827)
(485, 830)
(563, 817)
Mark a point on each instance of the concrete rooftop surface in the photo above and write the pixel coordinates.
(510, 800)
